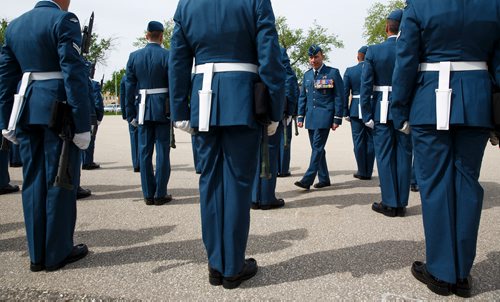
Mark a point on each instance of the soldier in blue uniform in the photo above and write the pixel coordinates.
(98, 108)
(221, 109)
(147, 73)
(42, 48)
(392, 147)
(134, 141)
(292, 95)
(361, 135)
(448, 52)
(321, 102)
(264, 191)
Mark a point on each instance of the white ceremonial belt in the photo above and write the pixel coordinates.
(28, 77)
(384, 104)
(205, 94)
(443, 93)
(142, 104)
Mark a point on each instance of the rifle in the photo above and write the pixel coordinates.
(296, 126)
(172, 136)
(102, 82)
(87, 35)
(62, 123)
(285, 133)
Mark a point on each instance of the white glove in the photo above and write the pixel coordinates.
(10, 135)
(288, 120)
(134, 123)
(82, 140)
(370, 124)
(347, 119)
(271, 128)
(406, 128)
(184, 126)
(494, 139)
(98, 123)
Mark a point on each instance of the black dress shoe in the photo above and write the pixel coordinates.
(255, 206)
(361, 177)
(279, 203)
(284, 174)
(136, 170)
(249, 270)
(214, 277)
(414, 188)
(381, 208)
(320, 185)
(9, 189)
(149, 201)
(36, 267)
(401, 211)
(419, 271)
(82, 193)
(91, 166)
(78, 252)
(16, 165)
(301, 185)
(162, 200)
(463, 288)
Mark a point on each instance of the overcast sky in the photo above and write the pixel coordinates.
(126, 20)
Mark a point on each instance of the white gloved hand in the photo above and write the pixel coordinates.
(82, 140)
(494, 139)
(271, 128)
(370, 124)
(184, 126)
(406, 128)
(289, 120)
(347, 118)
(98, 123)
(134, 123)
(10, 135)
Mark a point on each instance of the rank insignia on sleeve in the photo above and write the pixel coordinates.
(77, 48)
(74, 20)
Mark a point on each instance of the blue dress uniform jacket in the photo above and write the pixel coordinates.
(448, 162)
(322, 107)
(215, 31)
(147, 68)
(133, 132)
(361, 135)
(292, 94)
(45, 39)
(392, 147)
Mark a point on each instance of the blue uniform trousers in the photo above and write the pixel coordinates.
(447, 167)
(88, 154)
(15, 157)
(285, 154)
(134, 145)
(413, 180)
(393, 153)
(49, 212)
(264, 191)
(363, 147)
(228, 159)
(4, 168)
(151, 134)
(317, 165)
(197, 167)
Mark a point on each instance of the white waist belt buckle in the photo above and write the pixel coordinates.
(443, 97)
(205, 98)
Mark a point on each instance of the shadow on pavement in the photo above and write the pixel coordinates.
(485, 274)
(119, 238)
(367, 259)
(339, 201)
(9, 227)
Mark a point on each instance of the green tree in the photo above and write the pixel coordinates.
(3, 27)
(167, 34)
(374, 27)
(112, 86)
(297, 42)
(99, 49)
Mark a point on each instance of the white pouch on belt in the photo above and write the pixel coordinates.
(443, 97)
(142, 106)
(205, 99)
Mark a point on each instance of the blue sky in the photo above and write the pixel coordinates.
(126, 20)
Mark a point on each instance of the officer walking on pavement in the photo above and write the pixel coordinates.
(321, 102)
(448, 61)
(392, 147)
(264, 191)
(221, 109)
(292, 96)
(361, 135)
(147, 73)
(48, 61)
(134, 140)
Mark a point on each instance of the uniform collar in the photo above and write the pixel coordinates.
(393, 36)
(319, 69)
(153, 44)
(47, 3)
